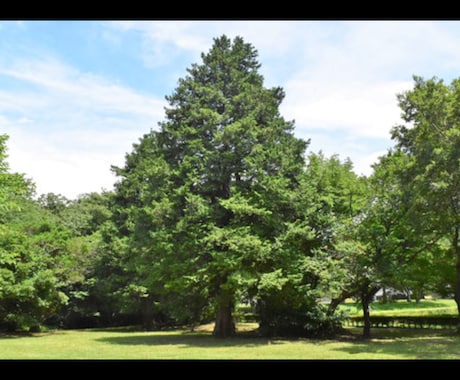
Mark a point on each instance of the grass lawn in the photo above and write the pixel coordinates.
(127, 343)
(402, 307)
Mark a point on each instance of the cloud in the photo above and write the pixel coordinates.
(343, 49)
(78, 90)
(164, 41)
(360, 109)
(367, 49)
(344, 97)
(68, 127)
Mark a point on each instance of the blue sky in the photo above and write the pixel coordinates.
(75, 95)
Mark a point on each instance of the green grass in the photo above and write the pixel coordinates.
(128, 344)
(402, 307)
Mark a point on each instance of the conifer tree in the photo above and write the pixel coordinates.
(205, 198)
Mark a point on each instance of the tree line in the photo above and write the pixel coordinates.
(222, 205)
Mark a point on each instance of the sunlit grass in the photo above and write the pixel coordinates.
(201, 345)
(402, 307)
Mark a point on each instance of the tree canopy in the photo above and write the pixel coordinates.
(430, 140)
(214, 189)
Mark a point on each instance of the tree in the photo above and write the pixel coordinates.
(56, 203)
(86, 214)
(342, 200)
(380, 245)
(430, 140)
(13, 186)
(85, 217)
(204, 199)
(382, 235)
(32, 251)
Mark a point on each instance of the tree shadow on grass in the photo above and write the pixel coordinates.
(27, 334)
(410, 344)
(13, 335)
(182, 338)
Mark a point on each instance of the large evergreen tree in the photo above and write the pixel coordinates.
(204, 200)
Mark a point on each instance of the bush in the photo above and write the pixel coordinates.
(309, 323)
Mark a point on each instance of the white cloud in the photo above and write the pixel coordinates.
(360, 109)
(352, 121)
(163, 41)
(342, 49)
(68, 162)
(405, 45)
(345, 50)
(69, 127)
(69, 88)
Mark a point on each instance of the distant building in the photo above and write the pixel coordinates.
(392, 294)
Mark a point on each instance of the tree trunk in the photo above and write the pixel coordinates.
(225, 325)
(408, 295)
(366, 298)
(456, 252)
(366, 318)
(148, 314)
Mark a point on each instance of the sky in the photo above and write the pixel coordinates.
(75, 95)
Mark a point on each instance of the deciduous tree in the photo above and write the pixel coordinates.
(431, 139)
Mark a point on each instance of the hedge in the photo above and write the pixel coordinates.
(445, 321)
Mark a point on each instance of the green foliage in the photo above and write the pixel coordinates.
(55, 203)
(430, 143)
(210, 203)
(288, 306)
(46, 249)
(29, 288)
(33, 248)
(13, 186)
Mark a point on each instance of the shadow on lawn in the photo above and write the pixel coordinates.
(408, 344)
(185, 339)
(403, 344)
